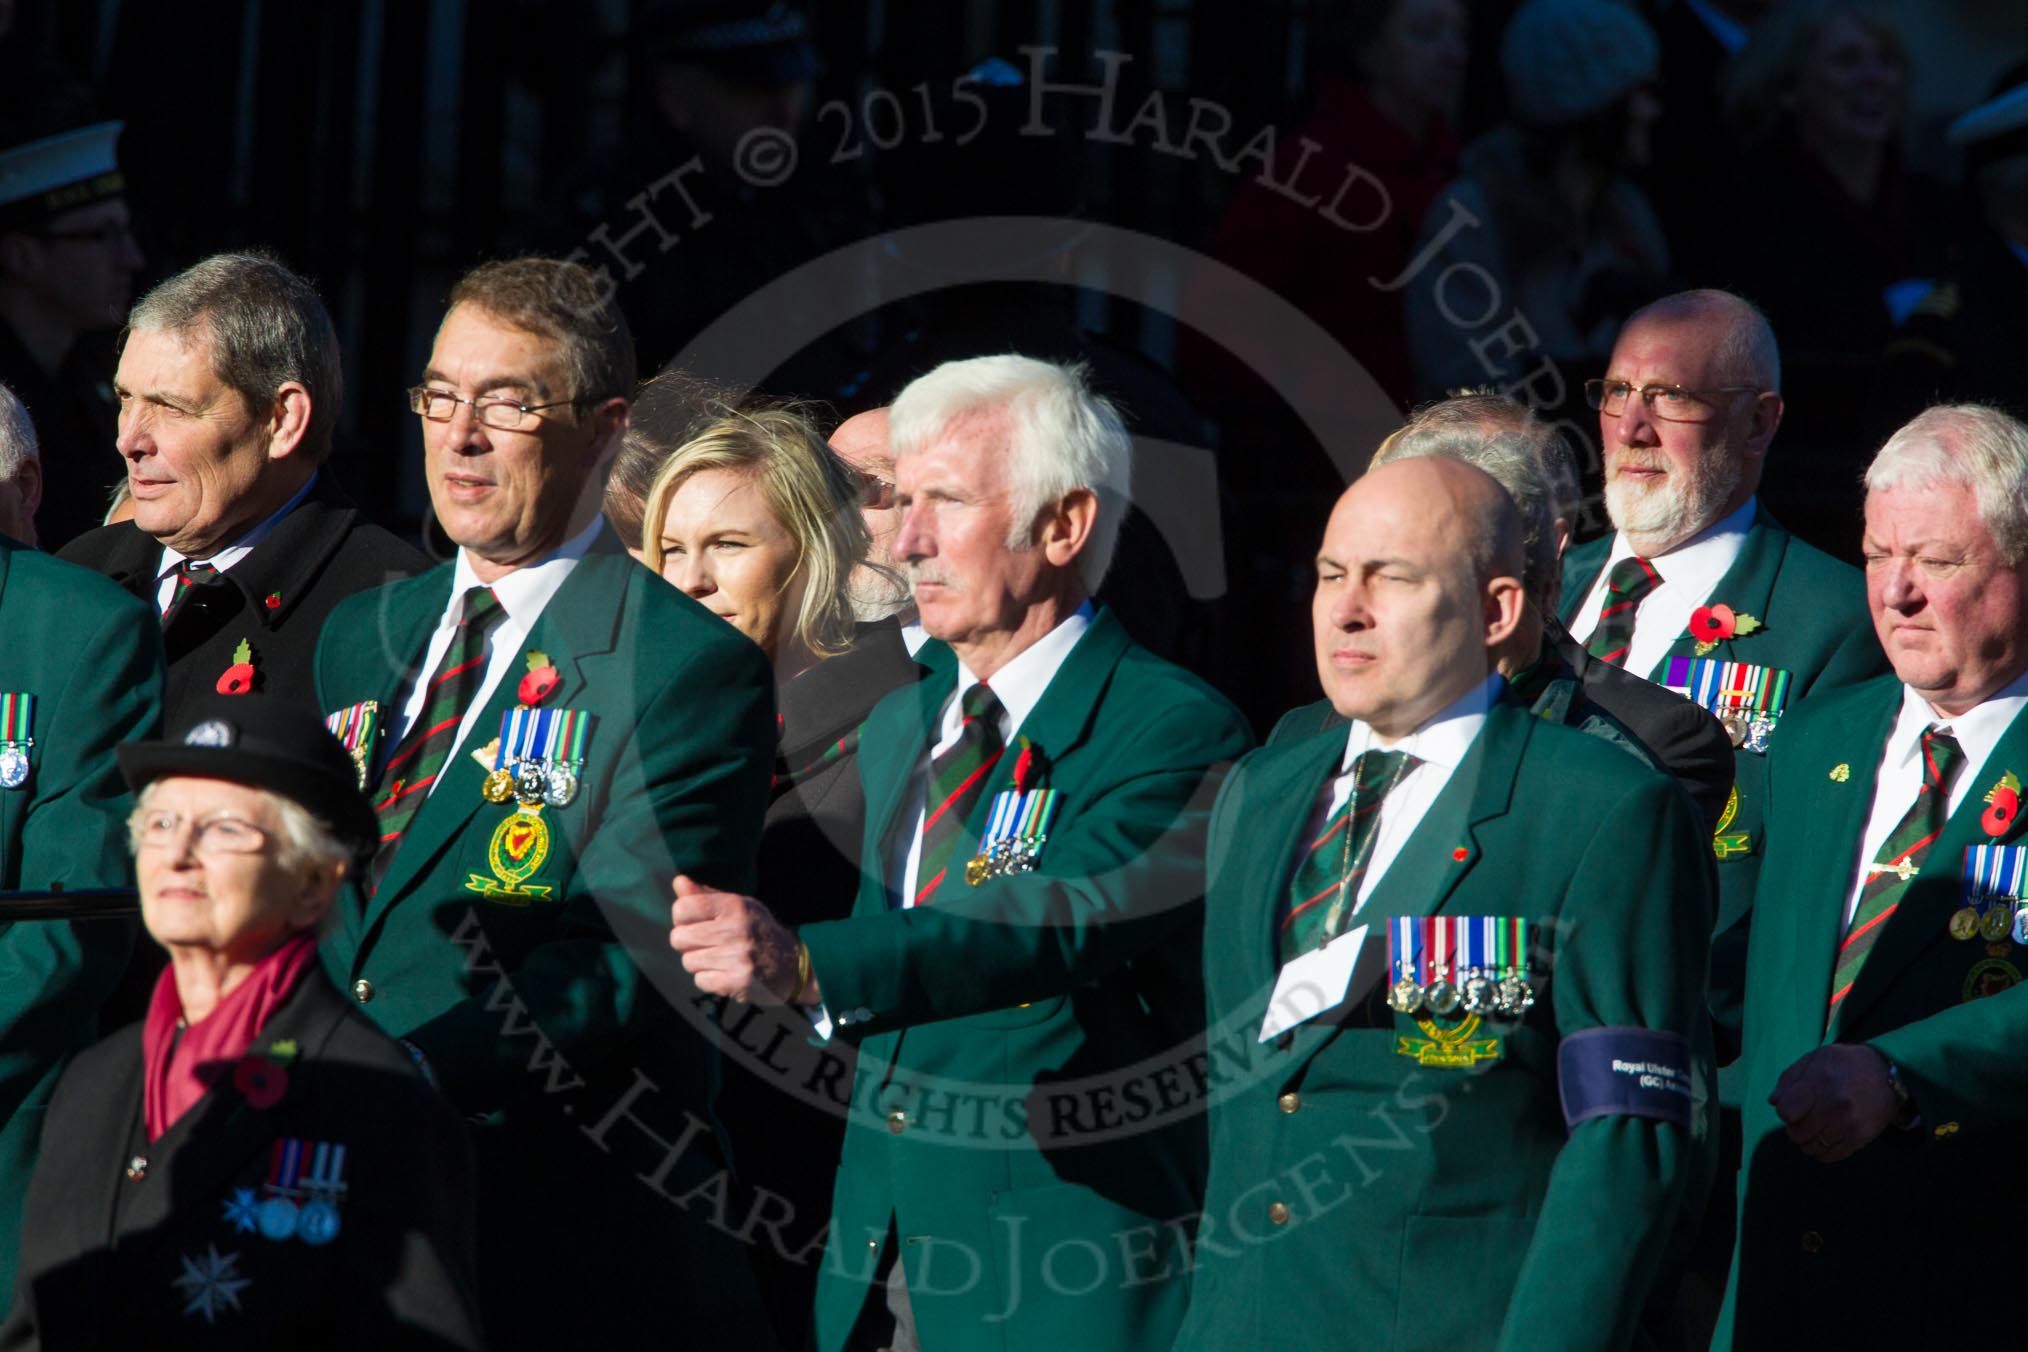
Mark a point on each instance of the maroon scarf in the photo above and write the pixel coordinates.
(178, 1071)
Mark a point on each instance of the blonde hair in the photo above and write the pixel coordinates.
(807, 488)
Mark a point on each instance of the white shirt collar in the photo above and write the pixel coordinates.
(1444, 739)
(1019, 684)
(525, 591)
(1730, 32)
(1977, 730)
(225, 558)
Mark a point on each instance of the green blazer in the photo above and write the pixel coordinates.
(567, 1017)
(92, 657)
(1358, 1197)
(1022, 1091)
(1869, 1251)
(1815, 626)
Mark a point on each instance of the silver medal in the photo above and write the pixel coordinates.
(1444, 998)
(318, 1223)
(13, 765)
(559, 785)
(529, 783)
(278, 1218)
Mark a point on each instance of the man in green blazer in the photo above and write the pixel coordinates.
(1885, 1095)
(1696, 568)
(1021, 969)
(550, 732)
(1456, 1025)
(80, 672)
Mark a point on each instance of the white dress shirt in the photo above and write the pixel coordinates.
(1018, 686)
(1440, 745)
(224, 559)
(914, 635)
(1977, 732)
(1688, 573)
(522, 595)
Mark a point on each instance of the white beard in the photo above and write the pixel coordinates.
(1675, 509)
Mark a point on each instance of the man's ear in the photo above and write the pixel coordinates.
(608, 423)
(1504, 604)
(28, 480)
(1066, 528)
(288, 419)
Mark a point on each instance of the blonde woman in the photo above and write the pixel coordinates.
(756, 519)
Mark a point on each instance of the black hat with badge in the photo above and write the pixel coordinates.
(265, 741)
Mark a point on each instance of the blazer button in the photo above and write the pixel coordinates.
(137, 1168)
(1278, 1212)
(1946, 1130)
(362, 990)
(897, 1121)
(1812, 1242)
(1289, 1102)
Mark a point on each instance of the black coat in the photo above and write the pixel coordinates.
(773, 1099)
(111, 1260)
(275, 598)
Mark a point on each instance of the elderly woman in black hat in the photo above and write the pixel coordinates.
(254, 1165)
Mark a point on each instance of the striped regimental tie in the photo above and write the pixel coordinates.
(406, 778)
(1899, 861)
(1336, 860)
(189, 573)
(1626, 587)
(956, 779)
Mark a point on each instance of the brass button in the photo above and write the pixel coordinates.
(1946, 1129)
(1289, 1102)
(1278, 1212)
(897, 1121)
(137, 1168)
(1812, 1242)
(362, 990)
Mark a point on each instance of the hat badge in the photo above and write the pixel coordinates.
(211, 732)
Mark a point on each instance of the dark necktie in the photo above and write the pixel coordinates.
(1626, 587)
(1335, 864)
(189, 573)
(1900, 859)
(956, 779)
(415, 764)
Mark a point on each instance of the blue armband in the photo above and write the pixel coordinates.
(1624, 1072)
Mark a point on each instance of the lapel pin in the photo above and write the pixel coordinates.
(1461, 854)
(1840, 772)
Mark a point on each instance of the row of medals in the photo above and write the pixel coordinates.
(1003, 858)
(531, 783)
(1481, 992)
(1748, 731)
(314, 1222)
(14, 764)
(1992, 919)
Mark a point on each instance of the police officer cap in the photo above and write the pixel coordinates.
(266, 741)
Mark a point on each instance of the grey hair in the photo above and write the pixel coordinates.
(17, 436)
(309, 846)
(265, 327)
(1524, 455)
(1065, 436)
(1747, 352)
(1971, 444)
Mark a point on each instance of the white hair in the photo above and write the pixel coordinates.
(308, 846)
(1971, 444)
(1064, 436)
(17, 436)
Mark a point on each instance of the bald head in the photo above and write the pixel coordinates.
(1526, 456)
(861, 441)
(1730, 329)
(1418, 582)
